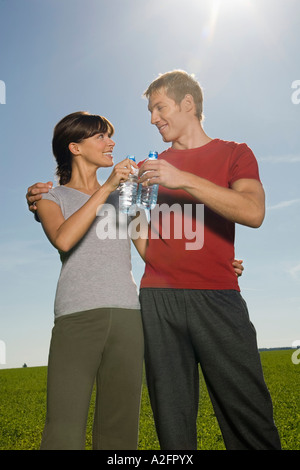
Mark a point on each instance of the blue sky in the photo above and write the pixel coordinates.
(60, 56)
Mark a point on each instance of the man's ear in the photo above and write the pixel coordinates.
(188, 103)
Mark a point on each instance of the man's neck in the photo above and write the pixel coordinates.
(194, 137)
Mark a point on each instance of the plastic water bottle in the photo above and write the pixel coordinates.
(147, 195)
(128, 191)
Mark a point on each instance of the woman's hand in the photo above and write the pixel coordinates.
(120, 173)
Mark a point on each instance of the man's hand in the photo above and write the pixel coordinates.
(160, 172)
(237, 264)
(34, 193)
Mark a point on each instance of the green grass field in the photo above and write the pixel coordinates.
(23, 401)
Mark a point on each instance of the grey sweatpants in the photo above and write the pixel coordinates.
(183, 328)
(104, 346)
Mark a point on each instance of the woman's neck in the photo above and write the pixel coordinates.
(84, 181)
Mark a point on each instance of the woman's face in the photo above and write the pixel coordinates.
(97, 149)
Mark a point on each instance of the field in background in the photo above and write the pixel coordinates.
(23, 403)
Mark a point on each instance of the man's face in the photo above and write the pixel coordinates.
(169, 117)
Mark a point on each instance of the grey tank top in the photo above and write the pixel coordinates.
(97, 271)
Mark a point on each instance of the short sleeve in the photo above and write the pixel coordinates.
(243, 164)
(52, 195)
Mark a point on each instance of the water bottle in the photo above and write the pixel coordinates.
(147, 195)
(128, 191)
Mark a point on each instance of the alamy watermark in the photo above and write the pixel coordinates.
(2, 92)
(296, 354)
(187, 222)
(296, 94)
(2, 352)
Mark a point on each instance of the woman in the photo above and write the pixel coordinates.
(97, 336)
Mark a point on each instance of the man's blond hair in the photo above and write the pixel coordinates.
(177, 84)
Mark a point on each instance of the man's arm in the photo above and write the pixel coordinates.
(243, 203)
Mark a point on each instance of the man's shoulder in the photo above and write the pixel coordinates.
(235, 150)
(215, 143)
(231, 144)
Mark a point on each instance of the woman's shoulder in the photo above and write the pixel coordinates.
(54, 194)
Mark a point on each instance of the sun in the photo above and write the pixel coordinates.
(223, 8)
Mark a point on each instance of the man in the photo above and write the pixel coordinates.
(191, 305)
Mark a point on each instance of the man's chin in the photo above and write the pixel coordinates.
(166, 139)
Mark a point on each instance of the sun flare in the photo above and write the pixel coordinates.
(223, 8)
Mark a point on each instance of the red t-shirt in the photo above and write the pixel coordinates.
(183, 252)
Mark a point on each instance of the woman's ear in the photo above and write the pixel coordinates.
(74, 148)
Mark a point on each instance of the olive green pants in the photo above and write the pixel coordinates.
(103, 346)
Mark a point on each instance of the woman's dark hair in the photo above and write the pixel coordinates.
(74, 128)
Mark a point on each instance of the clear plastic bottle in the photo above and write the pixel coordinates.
(128, 191)
(147, 195)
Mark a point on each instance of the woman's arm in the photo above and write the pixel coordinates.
(139, 233)
(141, 246)
(65, 234)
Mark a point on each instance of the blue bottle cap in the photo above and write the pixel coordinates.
(153, 154)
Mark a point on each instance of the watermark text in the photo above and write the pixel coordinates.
(2, 92)
(2, 352)
(296, 94)
(296, 354)
(167, 222)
